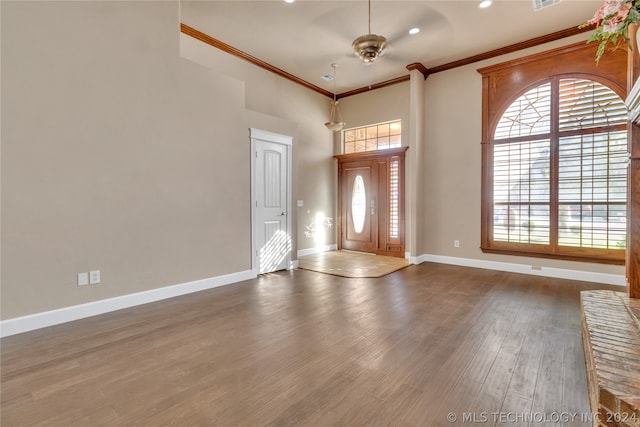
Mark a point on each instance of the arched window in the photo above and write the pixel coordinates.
(555, 171)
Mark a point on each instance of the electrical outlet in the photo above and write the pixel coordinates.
(536, 267)
(83, 279)
(94, 277)
(456, 243)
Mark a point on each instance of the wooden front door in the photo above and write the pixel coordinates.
(371, 202)
(360, 195)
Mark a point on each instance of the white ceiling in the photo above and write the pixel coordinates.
(304, 38)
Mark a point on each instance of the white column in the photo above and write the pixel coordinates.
(415, 162)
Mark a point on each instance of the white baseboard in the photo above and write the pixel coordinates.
(67, 314)
(560, 273)
(18, 325)
(313, 251)
(416, 259)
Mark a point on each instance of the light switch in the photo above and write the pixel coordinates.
(83, 279)
(94, 277)
(300, 203)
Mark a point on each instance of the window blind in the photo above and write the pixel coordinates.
(577, 159)
(394, 201)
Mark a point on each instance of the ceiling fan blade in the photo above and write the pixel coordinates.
(427, 19)
(344, 21)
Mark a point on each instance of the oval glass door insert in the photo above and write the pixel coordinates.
(358, 204)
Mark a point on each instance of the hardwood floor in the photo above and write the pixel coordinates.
(301, 348)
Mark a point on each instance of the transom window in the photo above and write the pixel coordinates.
(374, 137)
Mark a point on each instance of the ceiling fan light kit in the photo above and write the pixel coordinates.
(335, 122)
(369, 47)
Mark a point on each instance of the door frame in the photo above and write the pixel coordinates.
(272, 138)
(396, 249)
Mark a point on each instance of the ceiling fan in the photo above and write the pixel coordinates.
(380, 61)
(370, 46)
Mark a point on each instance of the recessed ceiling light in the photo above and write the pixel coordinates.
(485, 3)
(415, 30)
(289, 1)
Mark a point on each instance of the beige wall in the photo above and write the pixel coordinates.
(279, 105)
(376, 106)
(119, 155)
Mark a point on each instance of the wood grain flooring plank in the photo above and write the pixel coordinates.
(494, 389)
(513, 412)
(575, 396)
(308, 349)
(547, 399)
(346, 400)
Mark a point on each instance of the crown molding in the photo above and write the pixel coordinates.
(418, 66)
(536, 41)
(373, 87)
(205, 38)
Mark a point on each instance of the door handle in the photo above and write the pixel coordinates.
(283, 214)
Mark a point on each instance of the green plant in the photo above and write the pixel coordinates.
(612, 22)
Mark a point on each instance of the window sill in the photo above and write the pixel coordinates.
(613, 258)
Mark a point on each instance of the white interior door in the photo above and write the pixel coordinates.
(271, 195)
